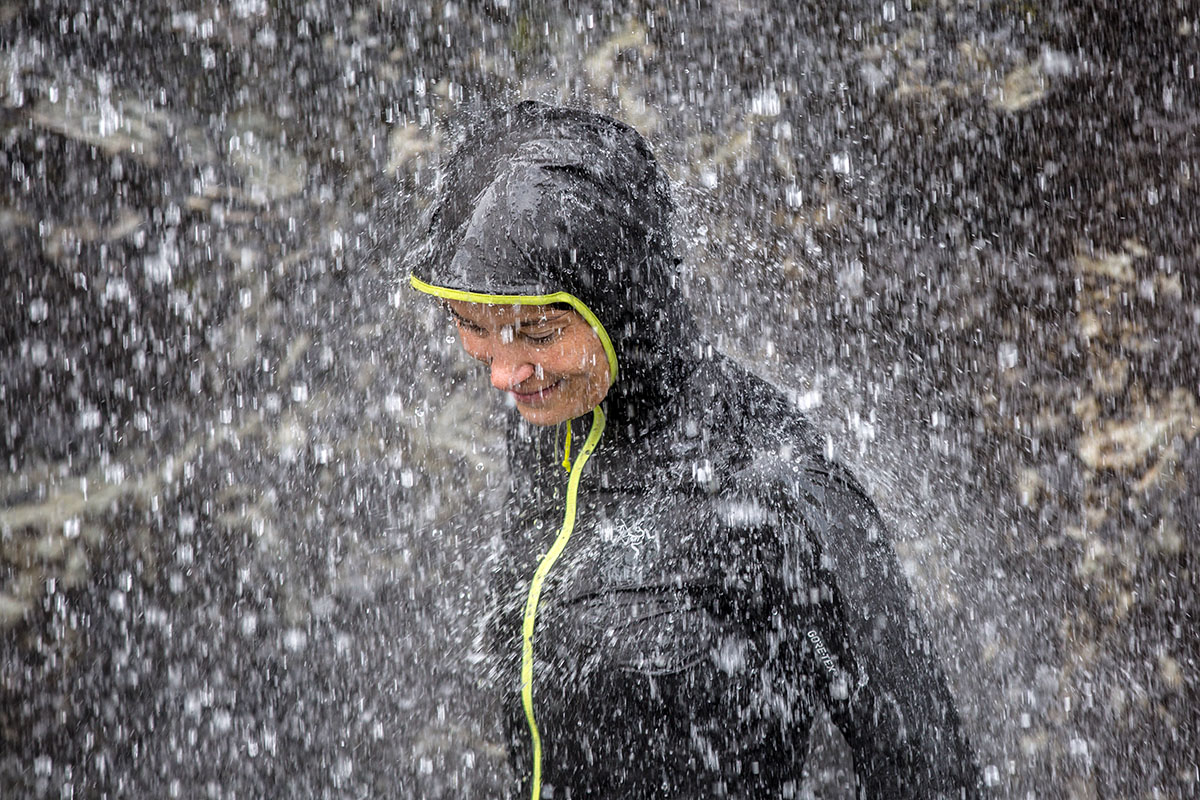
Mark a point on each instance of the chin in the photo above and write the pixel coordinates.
(542, 416)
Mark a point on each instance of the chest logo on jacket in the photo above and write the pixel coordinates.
(622, 549)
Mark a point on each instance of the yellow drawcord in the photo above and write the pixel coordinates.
(528, 623)
(566, 462)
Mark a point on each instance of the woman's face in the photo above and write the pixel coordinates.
(548, 360)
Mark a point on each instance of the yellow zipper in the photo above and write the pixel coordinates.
(535, 591)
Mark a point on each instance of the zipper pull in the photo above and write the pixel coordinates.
(566, 462)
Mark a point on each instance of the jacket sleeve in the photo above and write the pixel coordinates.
(883, 686)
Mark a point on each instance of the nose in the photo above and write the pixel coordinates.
(509, 373)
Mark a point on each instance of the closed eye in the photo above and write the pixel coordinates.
(470, 326)
(463, 322)
(543, 338)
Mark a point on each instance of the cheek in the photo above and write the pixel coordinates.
(578, 363)
(592, 364)
(601, 378)
(584, 354)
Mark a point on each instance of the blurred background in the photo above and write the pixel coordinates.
(244, 473)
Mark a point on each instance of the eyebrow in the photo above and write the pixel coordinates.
(552, 315)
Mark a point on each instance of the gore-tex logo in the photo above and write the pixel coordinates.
(822, 652)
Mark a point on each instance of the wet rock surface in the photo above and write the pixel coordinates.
(244, 502)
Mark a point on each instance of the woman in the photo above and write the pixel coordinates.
(681, 592)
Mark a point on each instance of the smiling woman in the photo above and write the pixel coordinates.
(547, 359)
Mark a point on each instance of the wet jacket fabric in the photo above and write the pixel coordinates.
(720, 581)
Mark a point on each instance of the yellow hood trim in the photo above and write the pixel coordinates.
(527, 300)
(529, 620)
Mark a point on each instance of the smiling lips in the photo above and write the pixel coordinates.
(536, 398)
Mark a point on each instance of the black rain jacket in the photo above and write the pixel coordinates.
(721, 580)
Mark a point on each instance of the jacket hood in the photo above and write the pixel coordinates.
(540, 200)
